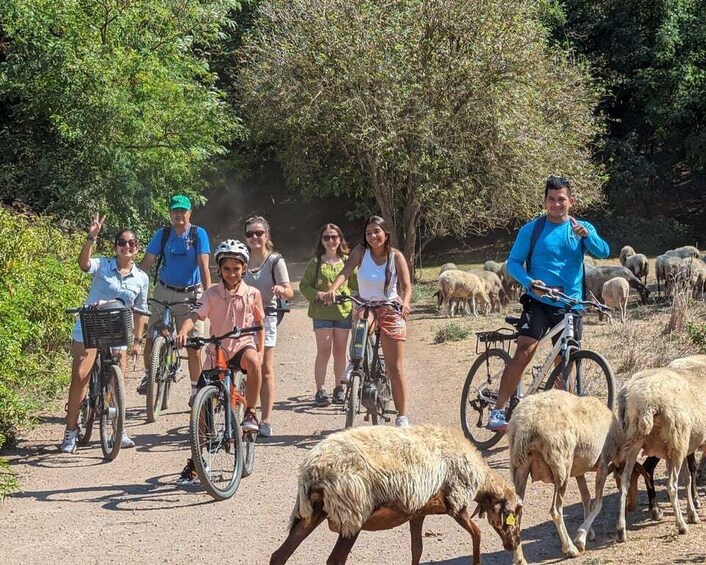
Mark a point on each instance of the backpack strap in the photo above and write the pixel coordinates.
(193, 239)
(536, 232)
(166, 232)
(275, 260)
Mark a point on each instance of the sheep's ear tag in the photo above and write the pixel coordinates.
(510, 520)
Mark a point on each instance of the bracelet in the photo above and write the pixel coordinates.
(90, 238)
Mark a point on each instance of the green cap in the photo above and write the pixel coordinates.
(180, 202)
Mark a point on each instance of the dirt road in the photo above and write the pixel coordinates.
(78, 509)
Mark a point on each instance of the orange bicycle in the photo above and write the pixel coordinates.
(220, 451)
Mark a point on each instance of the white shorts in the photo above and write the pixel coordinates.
(270, 330)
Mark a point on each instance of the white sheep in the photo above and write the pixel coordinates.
(447, 267)
(511, 287)
(616, 292)
(493, 267)
(596, 277)
(493, 288)
(625, 252)
(638, 265)
(379, 477)
(462, 285)
(696, 273)
(684, 252)
(554, 436)
(663, 413)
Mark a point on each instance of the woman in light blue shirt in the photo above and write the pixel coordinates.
(114, 277)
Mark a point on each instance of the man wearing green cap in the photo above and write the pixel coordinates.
(184, 251)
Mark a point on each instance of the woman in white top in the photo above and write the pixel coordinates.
(267, 272)
(383, 275)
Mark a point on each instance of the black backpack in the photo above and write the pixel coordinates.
(166, 232)
(282, 306)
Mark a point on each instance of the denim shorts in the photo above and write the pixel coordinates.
(344, 324)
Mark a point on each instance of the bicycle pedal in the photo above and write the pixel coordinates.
(390, 412)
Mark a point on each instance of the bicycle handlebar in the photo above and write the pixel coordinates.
(186, 301)
(368, 303)
(275, 310)
(236, 332)
(95, 304)
(557, 295)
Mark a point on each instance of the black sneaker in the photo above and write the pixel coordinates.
(339, 395)
(142, 387)
(321, 398)
(188, 475)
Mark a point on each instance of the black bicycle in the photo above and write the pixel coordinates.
(580, 371)
(369, 386)
(164, 361)
(220, 451)
(105, 326)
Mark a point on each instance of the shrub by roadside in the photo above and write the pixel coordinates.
(39, 278)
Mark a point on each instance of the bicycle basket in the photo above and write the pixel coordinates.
(110, 327)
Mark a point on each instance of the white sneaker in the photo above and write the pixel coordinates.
(70, 443)
(265, 429)
(346, 376)
(402, 422)
(126, 442)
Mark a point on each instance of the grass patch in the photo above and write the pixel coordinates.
(697, 335)
(451, 332)
(424, 293)
(8, 481)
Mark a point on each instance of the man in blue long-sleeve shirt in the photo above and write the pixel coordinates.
(555, 260)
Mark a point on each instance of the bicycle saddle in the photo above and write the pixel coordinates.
(512, 320)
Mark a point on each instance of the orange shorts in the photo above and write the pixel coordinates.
(391, 323)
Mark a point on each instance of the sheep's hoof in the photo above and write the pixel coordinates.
(621, 536)
(697, 502)
(580, 543)
(571, 551)
(657, 514)
(693, 518)
(591, 535)
(683, 529)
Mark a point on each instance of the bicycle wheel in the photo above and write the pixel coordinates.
(589, 375)
(217, 457)
(241, 382)
(112, 413)
(86, 417)
(478, 397)
(353, 398)
(157, 377)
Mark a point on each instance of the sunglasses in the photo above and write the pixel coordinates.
(258, 233)
(123, 242)
(329, 237)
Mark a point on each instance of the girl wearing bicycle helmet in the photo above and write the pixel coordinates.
(232, 303)
(114, 277)
(267, 272)
(332, 323)
(383, 275)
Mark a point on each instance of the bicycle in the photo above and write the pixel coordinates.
(217, 451)
(581, 371)
(369, 386)
(164, 362)
(104, 327)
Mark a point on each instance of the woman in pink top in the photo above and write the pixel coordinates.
(383, 275)
(233, 303)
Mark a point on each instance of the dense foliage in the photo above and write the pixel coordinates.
(110, 104)
(451, 113)
(39, 278)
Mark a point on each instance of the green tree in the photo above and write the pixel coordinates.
(110, 104)
(450, 113)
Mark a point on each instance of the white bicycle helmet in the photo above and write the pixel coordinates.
(232, 248)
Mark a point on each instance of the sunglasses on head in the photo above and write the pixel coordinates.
(257, 233)
(329, 237)
(123, 242)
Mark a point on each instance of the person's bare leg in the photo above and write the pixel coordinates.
(394, 353)
(82, 361)
(267, 389)
(324, 342)
(251, 362)
(340, 349)
(526, 346)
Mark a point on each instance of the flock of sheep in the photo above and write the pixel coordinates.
(377, 478)
(492, 287)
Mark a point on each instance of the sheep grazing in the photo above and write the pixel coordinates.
(663, 413)
(596, 277)
(447, 267)
(615, 294)
(625, 252)
(493, 267)
(378, 478)
(457, 284)
(555, 436)
(588, 261)
(493, 288)
(639, 266)
(511, 287)
(696, 273)
(684, 252)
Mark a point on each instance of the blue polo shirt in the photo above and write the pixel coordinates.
(109, 284)
(180, 267)
(557, 257)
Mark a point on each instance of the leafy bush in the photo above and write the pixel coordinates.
(697, 334)
(40, 278)
(451, 332)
